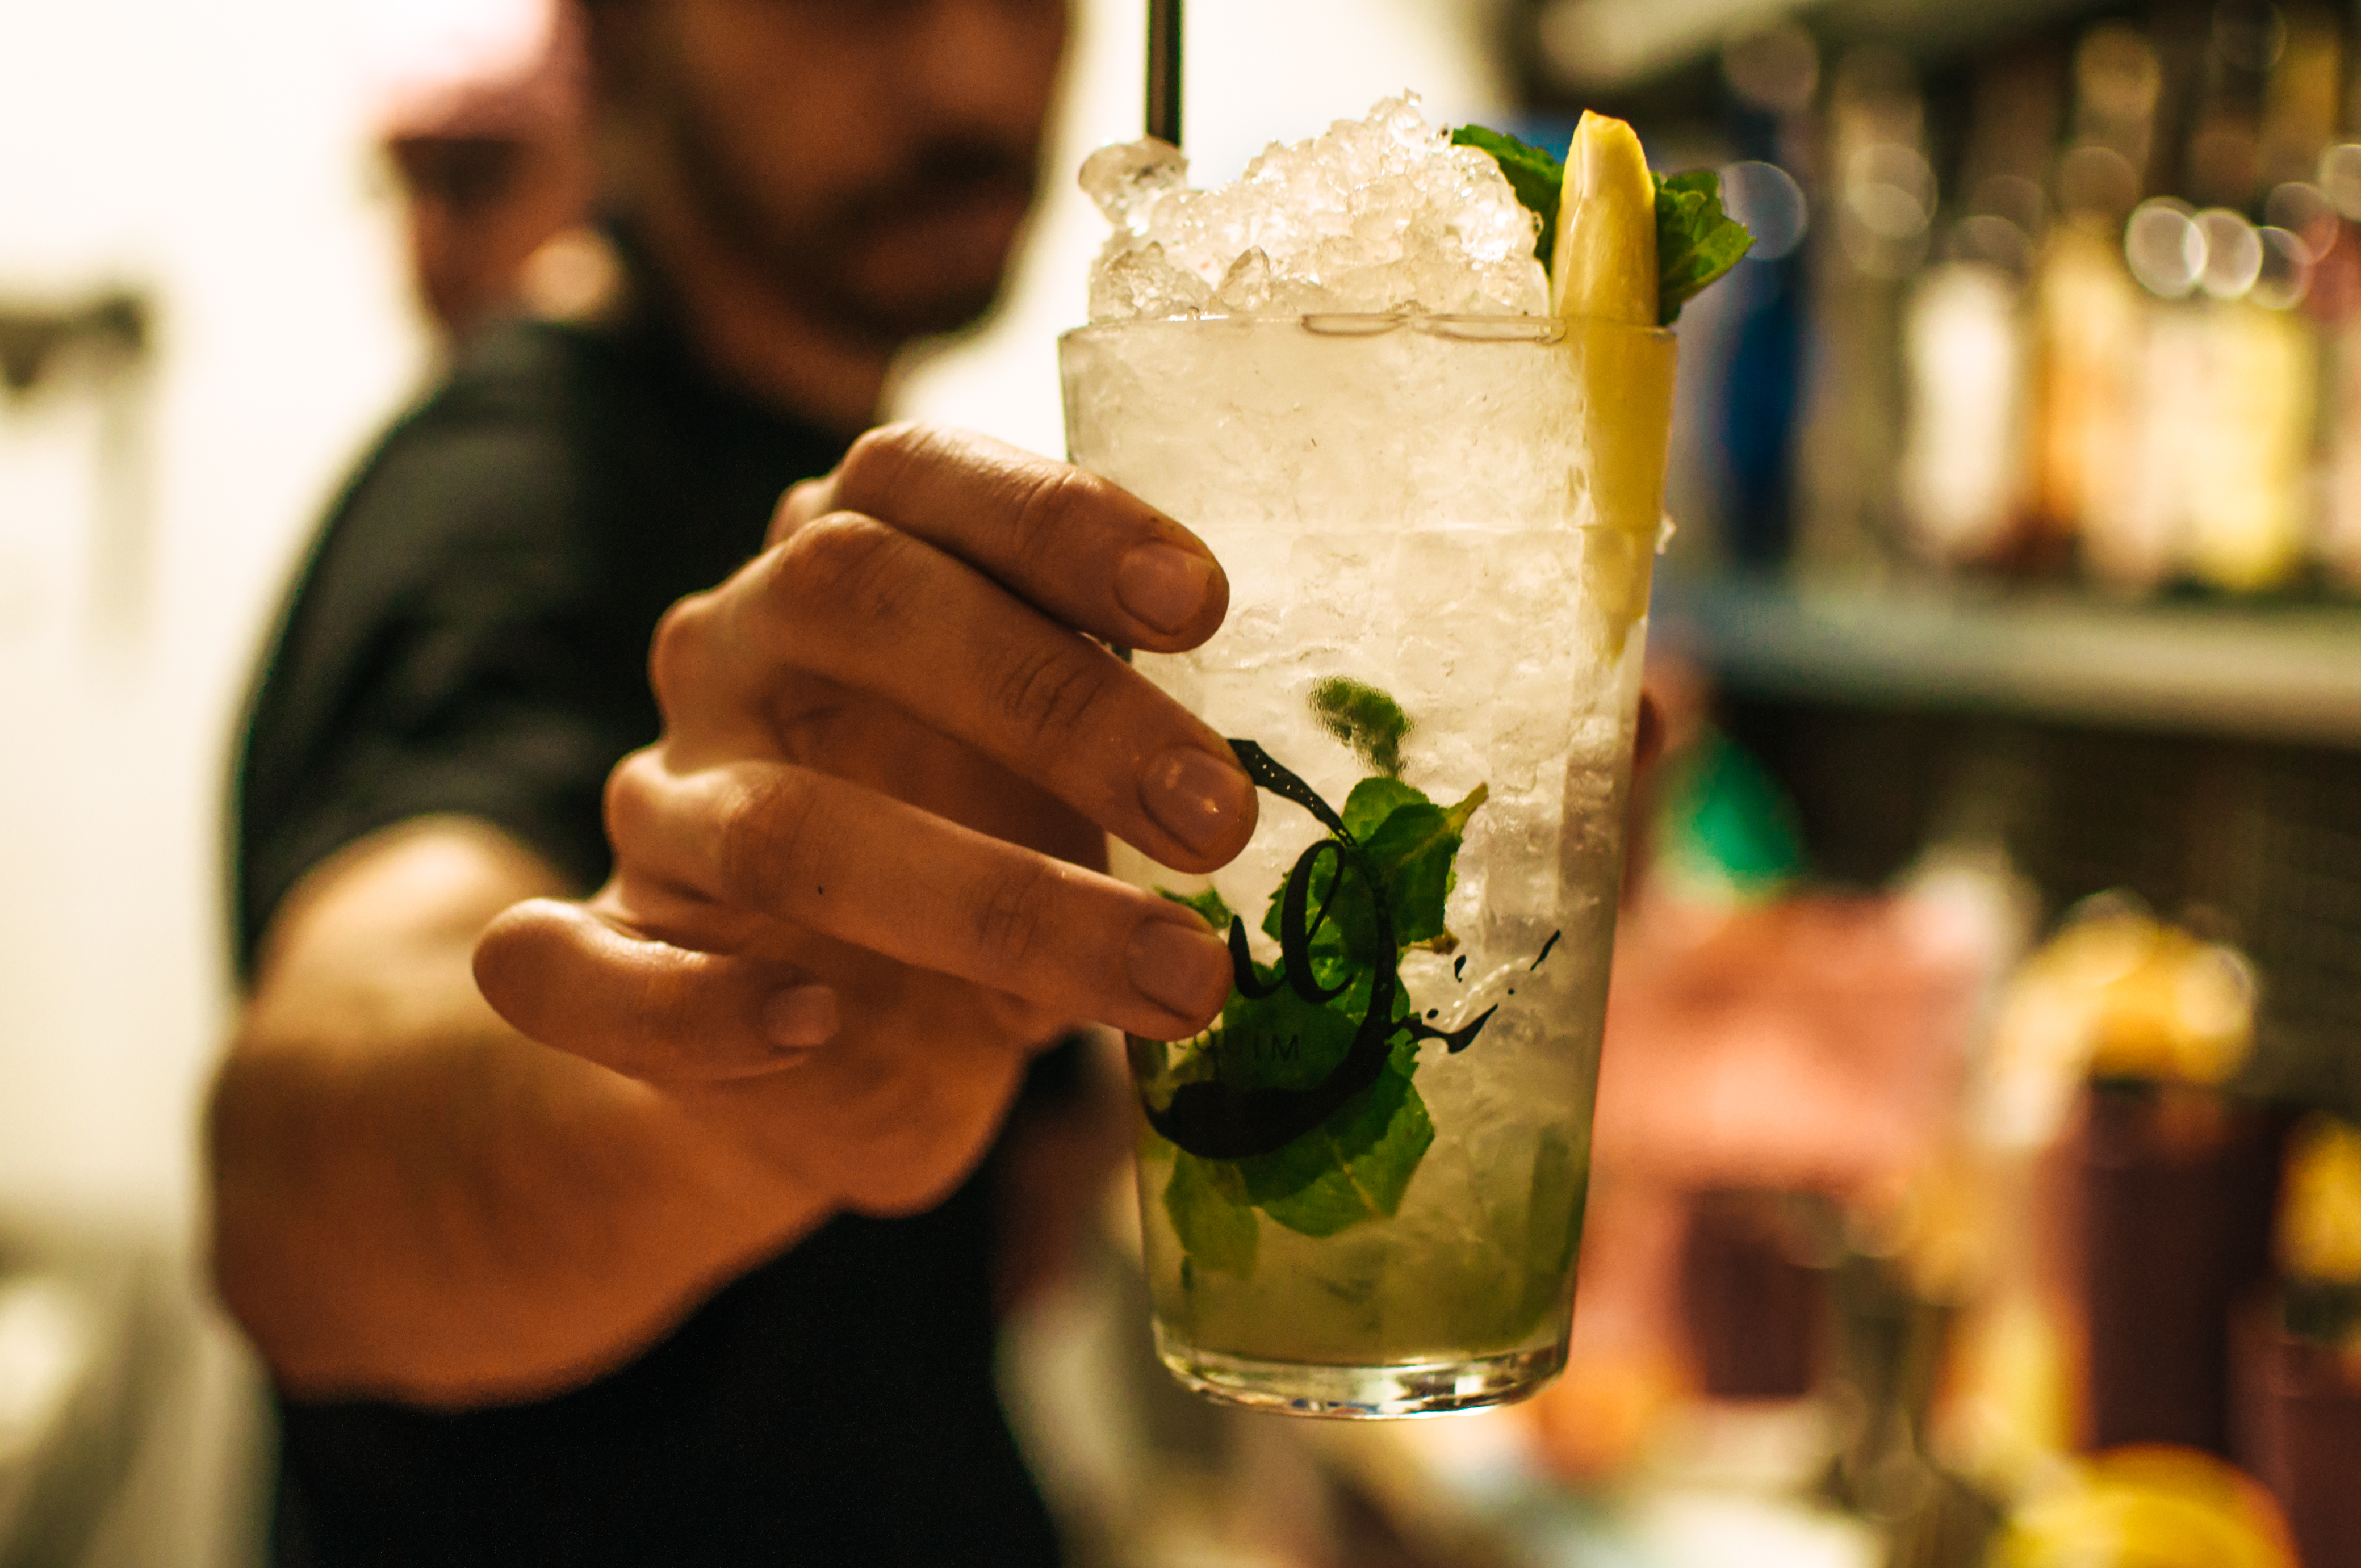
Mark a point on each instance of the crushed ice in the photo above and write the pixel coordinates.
(1377, 215)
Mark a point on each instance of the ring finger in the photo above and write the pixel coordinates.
(867, 870)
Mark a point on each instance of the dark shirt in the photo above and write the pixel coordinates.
(471, 636)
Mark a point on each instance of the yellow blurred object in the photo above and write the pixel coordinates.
(2185, 1015)
(2117, 995)
(2320, 1203)
(1603, 264)
(2249, 476)
(2009, 1410)
(2149, 1508)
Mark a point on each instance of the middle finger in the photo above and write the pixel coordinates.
(874, 610)
(865, 869)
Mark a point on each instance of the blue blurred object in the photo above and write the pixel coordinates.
(1762, 390)
(1762, 399)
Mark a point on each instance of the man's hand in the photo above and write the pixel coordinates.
(856, 879)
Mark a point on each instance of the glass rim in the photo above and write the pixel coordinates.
(1455, 326)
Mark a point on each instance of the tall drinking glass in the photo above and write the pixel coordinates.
(1361, 1189)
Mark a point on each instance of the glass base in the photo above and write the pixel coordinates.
(1360, 1393)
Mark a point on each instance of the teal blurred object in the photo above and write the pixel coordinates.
(1724, 826)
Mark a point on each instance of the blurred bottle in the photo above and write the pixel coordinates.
(2332, 225)
(2129, 1029)
(2212, 481)
(2300, 104)
(1772, 77)
(2336, 249)
(1967, 335)
(2250, 470)
(2271, 80)
(2300, 1357)
(2087, 311)
(1877, 231)
(2175, 1176)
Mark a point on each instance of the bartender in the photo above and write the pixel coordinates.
(636, 990)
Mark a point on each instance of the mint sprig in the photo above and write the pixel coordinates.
(1355, 1167)
(1697, 242)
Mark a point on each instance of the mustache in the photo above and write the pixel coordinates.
(948, 171)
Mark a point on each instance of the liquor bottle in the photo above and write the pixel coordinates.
(1966, 333)
(1873, 235)
(2088, 314)
(2248, 383)
(2334, 302)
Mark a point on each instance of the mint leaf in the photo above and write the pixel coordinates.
(1352, 1170)
(1413, 844)
(1208, 904)
(1208, 1207)
(1697, 242)
(1349, 934)
(1414, 850)
(1279, 1041)
(1374, 800)
(1365, 719)
(1537, 178)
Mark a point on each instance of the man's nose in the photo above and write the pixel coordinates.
(987, 64)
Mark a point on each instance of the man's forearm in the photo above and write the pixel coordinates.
(410, 1199)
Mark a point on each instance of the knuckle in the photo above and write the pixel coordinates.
(761, 831)
(847, 564)
(680, 650)
(802, 502)
(1053, 695)
(1013, 912)
(876, 462)
(630, 805)
(1055, 508)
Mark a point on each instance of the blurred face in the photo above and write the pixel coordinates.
(876, 158)
(477, 207)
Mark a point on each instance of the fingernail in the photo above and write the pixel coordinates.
(1195, 795)
(1163, 585)
(1180, 969)
(800, 1017)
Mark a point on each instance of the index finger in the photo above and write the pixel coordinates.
(1081, 548)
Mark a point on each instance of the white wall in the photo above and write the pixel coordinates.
(213, 153)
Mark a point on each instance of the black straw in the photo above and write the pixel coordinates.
(1164, 70)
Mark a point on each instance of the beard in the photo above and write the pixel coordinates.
(920, 250)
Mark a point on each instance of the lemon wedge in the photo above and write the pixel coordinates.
(1603, 283)
(1603, 263)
